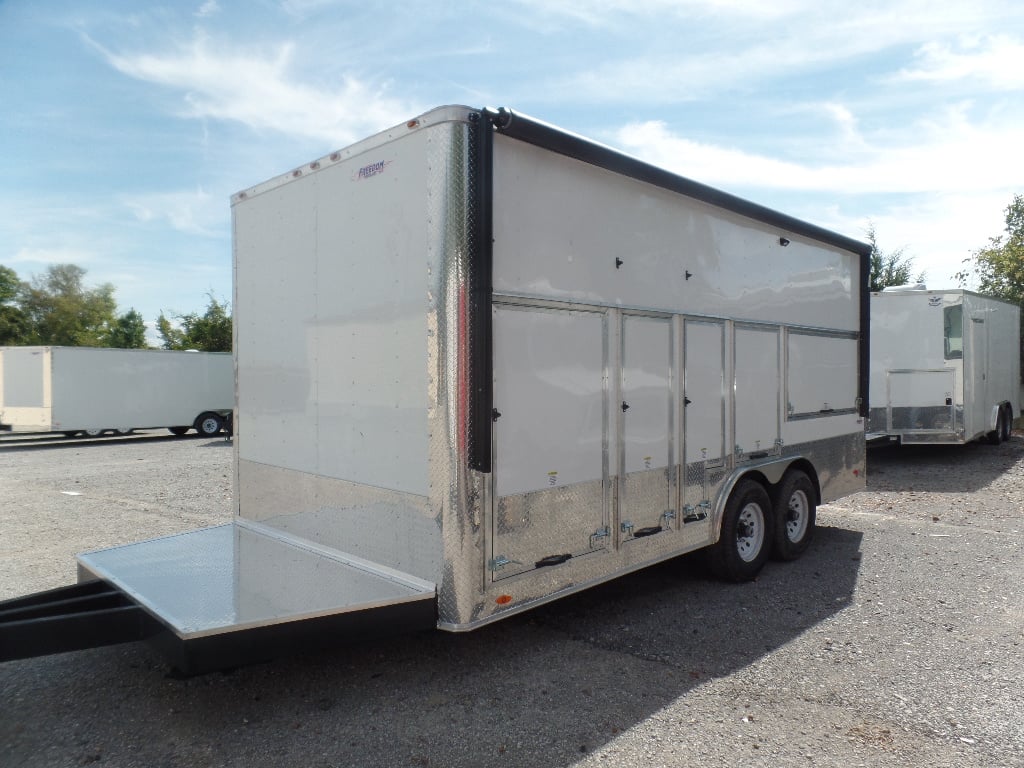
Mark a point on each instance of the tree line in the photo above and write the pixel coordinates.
(998, 267)
(56, 308)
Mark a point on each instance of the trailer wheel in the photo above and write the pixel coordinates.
(179, 431)
(72, 433)
(122, 431)
(209, 424)
(93, 432)
(795, 513)
(745, 540)
(996, 435)
(1007, 422)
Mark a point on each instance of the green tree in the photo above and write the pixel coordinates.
(887, 269)
(128, 331)
(60, 310)
(13, 321)
(208, 332)
(999, 266)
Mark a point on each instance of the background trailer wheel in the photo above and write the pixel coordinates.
(745, 539)
(209, 424)
(795, 513)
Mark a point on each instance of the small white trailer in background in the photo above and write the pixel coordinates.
(92, 390)
(483, 363)
(945, 366)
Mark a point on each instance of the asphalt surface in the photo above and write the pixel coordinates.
(896, 640)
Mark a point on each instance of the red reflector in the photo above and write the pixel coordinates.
(503, 599)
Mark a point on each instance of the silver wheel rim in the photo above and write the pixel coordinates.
(750, 532)
(210, 426)
(797, 516)
(94, 432)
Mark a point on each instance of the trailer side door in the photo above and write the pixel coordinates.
(645, 505)
(550, 436)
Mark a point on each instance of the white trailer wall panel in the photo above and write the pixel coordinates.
(581, 218)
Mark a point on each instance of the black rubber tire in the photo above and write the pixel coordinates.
(795, 515)
(745, 540)
(1007, 422)
(209, 424)
(179, 431)
(72, 434)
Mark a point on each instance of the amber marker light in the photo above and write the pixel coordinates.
(503, 599)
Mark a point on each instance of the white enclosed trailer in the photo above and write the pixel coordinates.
(93, 390)
(945, 366)
(482, 364)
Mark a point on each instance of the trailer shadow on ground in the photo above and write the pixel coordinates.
(32, 442)
(542, 688)
(923, 465)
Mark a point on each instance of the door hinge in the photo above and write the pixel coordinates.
(600, 533)
(499, 562)
(696, 513)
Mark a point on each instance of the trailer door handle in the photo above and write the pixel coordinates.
(625, 406)
(686, 401)
(550, 560)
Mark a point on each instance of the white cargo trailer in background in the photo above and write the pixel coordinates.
(945, 366)
(91, 390)
(482, 364)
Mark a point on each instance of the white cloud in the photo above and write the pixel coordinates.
(207, 9)
(707, 49)
(608, 12)
(192, 212)
(997, 61)
(944, 154)
(38, 258)
(260, 89)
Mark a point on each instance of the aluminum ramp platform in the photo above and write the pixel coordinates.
(239, 593)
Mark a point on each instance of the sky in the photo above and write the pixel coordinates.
(125, 127)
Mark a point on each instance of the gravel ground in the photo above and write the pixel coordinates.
(896, 641)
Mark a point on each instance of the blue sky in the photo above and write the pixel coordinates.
(126, 126)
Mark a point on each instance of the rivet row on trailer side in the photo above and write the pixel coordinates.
(483, 363)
